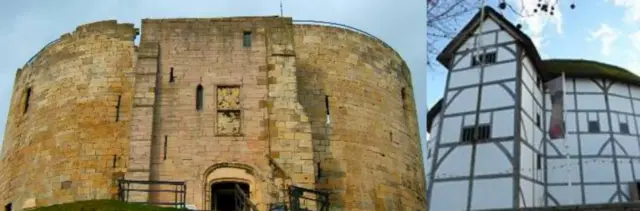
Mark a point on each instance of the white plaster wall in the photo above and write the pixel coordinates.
(463, 102)
(464, 77)
(502, 123)
(501, 192)
(449, 196)
(532, 194)
(499, 72)
(496, 96)
(456, 164)
(491, 160)
(565, 194)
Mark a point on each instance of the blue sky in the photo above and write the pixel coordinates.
(602, 30)
(26, 26)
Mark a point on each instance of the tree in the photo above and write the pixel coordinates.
(446, 17)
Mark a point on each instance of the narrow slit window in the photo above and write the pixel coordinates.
(199, 97)
(27, 99)
(326, 108)
(538, 120)
(319, 170)
(403, 94)
(118, 108)
(166, 139)
(172, 78)
(539, 161)
(8, 207)
(624, 128)
(594, 127)
(246, 39)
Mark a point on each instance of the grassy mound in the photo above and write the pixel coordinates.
(102, 205)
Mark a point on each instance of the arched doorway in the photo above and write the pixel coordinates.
(226, 196)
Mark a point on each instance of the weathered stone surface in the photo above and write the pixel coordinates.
(263, 119)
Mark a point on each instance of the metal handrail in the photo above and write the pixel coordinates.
(339, 25)
(40, 52)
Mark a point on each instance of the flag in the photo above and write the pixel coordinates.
(556, 91)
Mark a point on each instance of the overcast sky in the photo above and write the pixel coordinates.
(27, 25)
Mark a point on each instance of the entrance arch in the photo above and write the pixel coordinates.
(220, 182)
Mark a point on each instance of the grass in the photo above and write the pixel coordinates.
(102, 205)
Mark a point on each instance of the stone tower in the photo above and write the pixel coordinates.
(267, 102)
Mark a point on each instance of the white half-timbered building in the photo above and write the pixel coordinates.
(509, 161)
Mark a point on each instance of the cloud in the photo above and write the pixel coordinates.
(607, 37)
(632, 55)
(632, 13)
(534, 24)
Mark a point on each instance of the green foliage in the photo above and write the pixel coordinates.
(103, 205)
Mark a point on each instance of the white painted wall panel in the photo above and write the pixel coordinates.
(527, 159)
(503, 37)
(586, 85)
(465, 101)
(625, 173)
(504, 53)
(451, 127)
(593, 143)
(501, 193)
(452, 165)
(499, 72)
(629, 143)
(595, 101)
(604, 121)
(619, 89)
(599, 193)
(502, 123)
(565, 195)
(485, 39)
(444, 192)
(558, 171)
(598, 170)
(619, 104)
(495, 96)
(464, 77)
(491, 160)
(635, 91)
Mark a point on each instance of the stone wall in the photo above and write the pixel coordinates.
(209, 100)
(369, 154)
(67, 145)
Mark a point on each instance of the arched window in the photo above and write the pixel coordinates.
(199, 97)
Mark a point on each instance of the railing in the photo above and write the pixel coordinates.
(179, 191)
(243, 203)
(40, 51)
(302, 199)
(339, 25)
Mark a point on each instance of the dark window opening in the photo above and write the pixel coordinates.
(539, 161)
(479, 133)
(7, 207)
(319, 170)
(487, 58)
(166, 139)
(539, 83)
(594, 127)
(27, 99)
(171, 76)
(326, 103)
(115, 158)
(624, 128)
(538, 120)
(199, 97)
(225, 196)
(246, 39)
(118, 108)
(403, 93)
